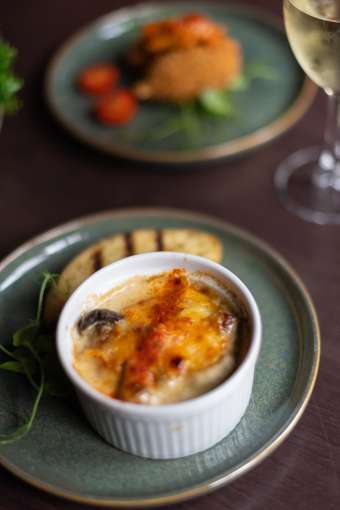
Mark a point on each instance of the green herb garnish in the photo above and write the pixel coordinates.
(216, 103)
(185, 119)
(240, 83)
(220, 102)
(259, 70)
(10, 84)
(253, 71)
(33, 355)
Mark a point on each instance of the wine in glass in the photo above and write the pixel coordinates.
(309, 180)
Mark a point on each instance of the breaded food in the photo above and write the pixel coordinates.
(121, 245)
(182, 75)
(180, 58)
(165, 36)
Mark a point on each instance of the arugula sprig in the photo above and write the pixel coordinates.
(220, 102)
(33, 355)
(215, 103)
(10, 84)
(185, 119)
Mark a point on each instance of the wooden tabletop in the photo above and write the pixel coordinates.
(47, 178)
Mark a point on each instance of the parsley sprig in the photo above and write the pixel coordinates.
(10, 84)
(33, 355)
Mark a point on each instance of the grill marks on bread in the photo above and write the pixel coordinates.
(108, 250)
(97, 260)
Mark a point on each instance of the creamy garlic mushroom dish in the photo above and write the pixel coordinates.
(160, 339)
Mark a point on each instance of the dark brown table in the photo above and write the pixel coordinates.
(47, 178)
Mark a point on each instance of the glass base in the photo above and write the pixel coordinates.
(306, 190)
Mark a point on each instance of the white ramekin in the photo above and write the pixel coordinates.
(165, 431)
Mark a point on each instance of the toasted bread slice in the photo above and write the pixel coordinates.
(113, 248)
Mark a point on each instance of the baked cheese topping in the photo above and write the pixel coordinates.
(158, 339)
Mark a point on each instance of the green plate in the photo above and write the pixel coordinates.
(265, 110)
(64, 456)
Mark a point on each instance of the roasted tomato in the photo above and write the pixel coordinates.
(116, 108)
(99, 79)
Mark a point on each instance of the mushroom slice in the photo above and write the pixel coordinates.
(98, 317)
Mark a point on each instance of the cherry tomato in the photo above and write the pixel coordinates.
(98, 79)
(116, 108)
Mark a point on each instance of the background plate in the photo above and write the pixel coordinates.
(265, 110)
(64, 456)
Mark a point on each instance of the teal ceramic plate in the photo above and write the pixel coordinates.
(265, 110)
(64, 456)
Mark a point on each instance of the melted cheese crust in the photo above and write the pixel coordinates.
(176, 340)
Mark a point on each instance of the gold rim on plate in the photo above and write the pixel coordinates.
(268, 448)
(234, 147)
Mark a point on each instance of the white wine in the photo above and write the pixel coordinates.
(313, 29)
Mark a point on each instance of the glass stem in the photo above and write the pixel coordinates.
(327, 174)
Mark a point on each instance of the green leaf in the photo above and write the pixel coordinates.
(23, 429)
(217, 102)
(189, 120)
(26, 335)
(252, 71)
(239, 83)
(9, 83)
(29, 363)
(10, 105)
(34, 357)
(7, 56)
(162, 131)
(260, 70)
(13, 366)
(184, 118)
(6, 351)
(26, 358)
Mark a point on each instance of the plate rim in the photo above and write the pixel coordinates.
(235, 147)
(220, 480)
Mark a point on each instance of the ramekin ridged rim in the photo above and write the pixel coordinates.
(188, 407)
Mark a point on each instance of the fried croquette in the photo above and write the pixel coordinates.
(182, 75)
(179, 59)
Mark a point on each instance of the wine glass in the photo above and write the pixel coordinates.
(308, 181)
